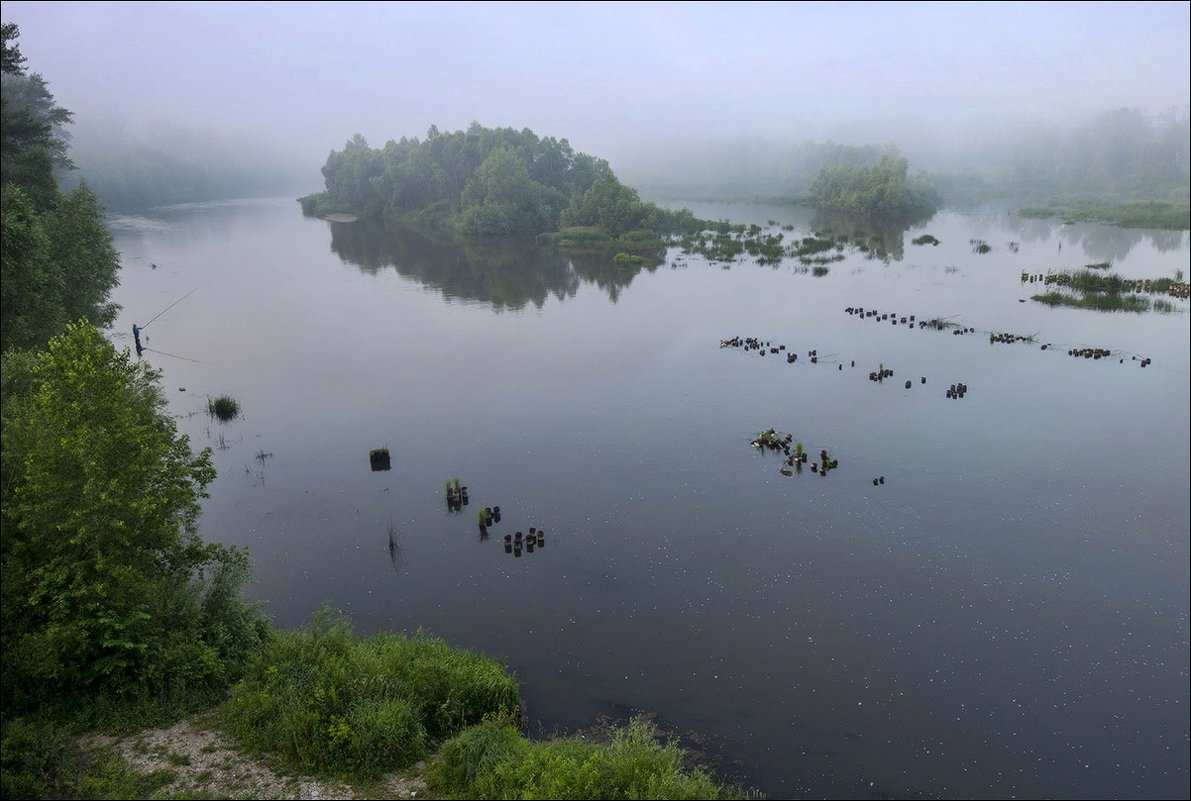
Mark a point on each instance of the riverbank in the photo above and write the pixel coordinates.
(324, 713)
(193, 759)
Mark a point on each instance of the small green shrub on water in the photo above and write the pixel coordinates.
(329, 701)
(492, 760)
(224, 408)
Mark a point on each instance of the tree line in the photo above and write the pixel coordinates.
(57, 262)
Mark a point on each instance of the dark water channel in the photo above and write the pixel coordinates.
(1006, 616)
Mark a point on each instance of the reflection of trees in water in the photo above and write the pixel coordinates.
(599, 269)
(508, 272)
(1100, 242)
(885, 241)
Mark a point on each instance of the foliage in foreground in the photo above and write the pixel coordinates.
(110, 598)
(493, 760)
(329, 701)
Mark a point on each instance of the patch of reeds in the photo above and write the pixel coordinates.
(1100, 301)
(224, 408)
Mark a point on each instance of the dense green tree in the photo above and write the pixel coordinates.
(31, 283)
(12, 61)
(33, 139)
(881, 192)
(81, 249)
(107, 589)
(55, 266)
(58, 263)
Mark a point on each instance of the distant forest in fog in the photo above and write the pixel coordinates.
(1120, 153)
(131, 171)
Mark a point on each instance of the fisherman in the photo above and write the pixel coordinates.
(136, 335)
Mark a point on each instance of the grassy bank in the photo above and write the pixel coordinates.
(322, 704)
(1165, 214)
(326, 700)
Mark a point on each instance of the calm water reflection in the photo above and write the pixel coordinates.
(1007, 615)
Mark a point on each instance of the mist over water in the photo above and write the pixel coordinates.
(944, 83)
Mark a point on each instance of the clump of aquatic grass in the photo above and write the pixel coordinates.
(1100, 265)
(979, 246)
(224, 408)
(1088, 281)
(820, 271)
(1100, 301)
(1173, 215)
(1164, 306)
(493, 760)
(925, 239)
(327, 700)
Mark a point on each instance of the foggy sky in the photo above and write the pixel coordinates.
(305, 76)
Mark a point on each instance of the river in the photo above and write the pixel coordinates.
(1007, 615)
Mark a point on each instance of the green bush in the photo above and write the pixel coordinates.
(330, 701)
(492, 760)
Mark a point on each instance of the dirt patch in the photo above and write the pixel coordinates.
(208, 764)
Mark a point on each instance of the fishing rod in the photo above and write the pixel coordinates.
(173, 355)
(172, 305)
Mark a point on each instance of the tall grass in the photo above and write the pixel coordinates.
(1097, 301)
(224, 408)
(492, 760)
(1088, 281)
(329, 701)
